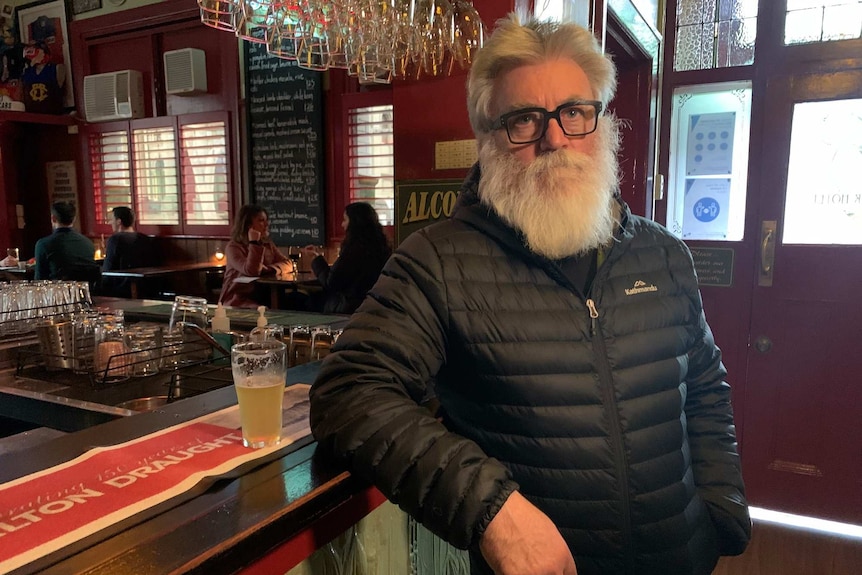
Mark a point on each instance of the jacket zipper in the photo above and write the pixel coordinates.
(606, 381)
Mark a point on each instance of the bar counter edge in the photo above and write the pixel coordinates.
(265, 521)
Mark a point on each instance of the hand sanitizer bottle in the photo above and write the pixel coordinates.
(221, 322)
(221, 333)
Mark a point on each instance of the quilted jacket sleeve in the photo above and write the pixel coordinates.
(712, 437)
(365, 411)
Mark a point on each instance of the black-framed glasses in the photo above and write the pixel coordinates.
(529, 125)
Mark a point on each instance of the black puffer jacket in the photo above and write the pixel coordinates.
(608, 411)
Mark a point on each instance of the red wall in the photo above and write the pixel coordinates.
(136, 39)
(24, 149)
(432, 110)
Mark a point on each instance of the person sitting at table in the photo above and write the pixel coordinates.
(364, 251)
(9, 261)
(65, 254)
(125, 249)
(250, 253)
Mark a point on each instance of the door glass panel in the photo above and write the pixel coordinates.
(563, 11)
(808, 21)
(708, 171)
(714, 34)
(823, 203)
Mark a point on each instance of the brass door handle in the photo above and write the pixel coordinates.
(767, 252)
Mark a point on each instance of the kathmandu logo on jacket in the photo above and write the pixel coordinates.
(640, 287)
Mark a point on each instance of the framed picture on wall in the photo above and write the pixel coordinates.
(81, 6)
(47, 76)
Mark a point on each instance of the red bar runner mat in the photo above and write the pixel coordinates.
(52, 510)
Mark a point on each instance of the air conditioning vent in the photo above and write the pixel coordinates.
(113, 96)
(185, 72)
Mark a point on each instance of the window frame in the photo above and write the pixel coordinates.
(203, 118)
(351, 101)
(354, 185)
(100, 227)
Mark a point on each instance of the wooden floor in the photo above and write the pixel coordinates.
(783, 550)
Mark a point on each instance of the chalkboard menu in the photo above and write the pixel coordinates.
(285, 145)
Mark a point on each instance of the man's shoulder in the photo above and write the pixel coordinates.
(78, 236)
(650, 230)
(43, 242)
(128, 238)
(440, 233)
(58, 236)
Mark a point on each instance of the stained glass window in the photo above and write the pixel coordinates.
(715, 34)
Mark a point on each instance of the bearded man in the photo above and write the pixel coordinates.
(584, 424)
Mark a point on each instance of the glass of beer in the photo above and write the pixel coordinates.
(259, 370)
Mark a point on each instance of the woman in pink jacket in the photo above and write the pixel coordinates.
(249, 253)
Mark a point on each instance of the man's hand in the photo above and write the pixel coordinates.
(521, 540)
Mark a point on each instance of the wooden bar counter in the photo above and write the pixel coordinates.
(265, 521)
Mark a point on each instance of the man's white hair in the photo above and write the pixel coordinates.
(514, 44)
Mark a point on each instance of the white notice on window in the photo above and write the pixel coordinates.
(710, 144)
(706, 209)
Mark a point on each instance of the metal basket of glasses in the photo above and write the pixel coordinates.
(27, 305)
(99, 348)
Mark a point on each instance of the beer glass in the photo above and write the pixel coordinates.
(259, 370)
(186, 311)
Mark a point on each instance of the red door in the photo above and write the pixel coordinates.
(802, 447)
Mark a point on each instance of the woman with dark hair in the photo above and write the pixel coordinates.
(250, 253)
(364, 251)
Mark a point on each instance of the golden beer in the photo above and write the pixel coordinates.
(260, 409)
(259, 370)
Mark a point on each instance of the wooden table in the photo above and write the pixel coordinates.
(138, 274)
(305, 281)
(19, 273)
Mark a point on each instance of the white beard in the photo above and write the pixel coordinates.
(562, 202)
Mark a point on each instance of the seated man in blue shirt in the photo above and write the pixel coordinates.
(65, 254)
(125, 249)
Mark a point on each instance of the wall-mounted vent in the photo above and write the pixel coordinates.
(114, 96)
(185, 72)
